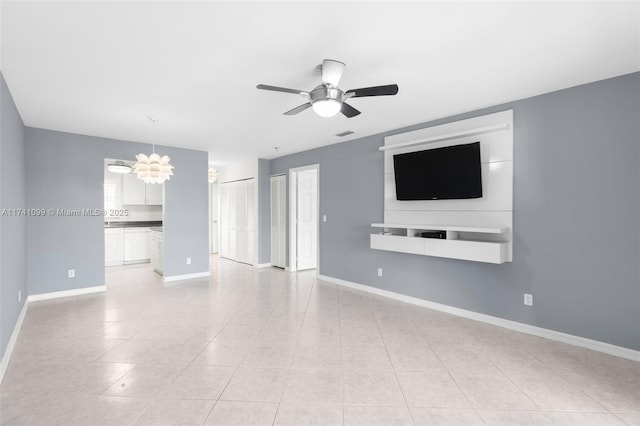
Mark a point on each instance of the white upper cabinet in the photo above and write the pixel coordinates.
(154, 194)
(133, 190)
(136, 192)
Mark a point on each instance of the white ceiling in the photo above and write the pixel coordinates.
(100, 68)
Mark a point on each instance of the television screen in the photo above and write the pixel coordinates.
(451, 172)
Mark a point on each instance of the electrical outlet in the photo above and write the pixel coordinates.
(324, 217)
(379, 272)
(528, 299)
(188, 261)
(19, 295)
(71, 273)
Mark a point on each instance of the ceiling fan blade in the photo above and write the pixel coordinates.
(298, 109)
(332, 71)
(348, 110)
(390, 89)
(281, 89)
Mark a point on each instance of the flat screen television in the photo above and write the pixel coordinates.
(448, 173)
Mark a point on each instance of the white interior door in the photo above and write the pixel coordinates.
(213, 215)
(307, 219)
(233, 220)
(252, 224)
(241, 222)
(224, 220)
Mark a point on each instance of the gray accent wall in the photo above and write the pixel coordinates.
(576, 217)
(12, 228)
(264, 212)
(65, 171)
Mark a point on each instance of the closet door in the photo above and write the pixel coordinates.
(238, 221)
(278, 221)
(233, 220)
(241, 221)
(252, 219)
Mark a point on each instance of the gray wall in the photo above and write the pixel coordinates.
(576, 213)
(65, 171)
(12, 228)
(264, 212)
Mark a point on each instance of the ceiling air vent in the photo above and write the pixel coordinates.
(345, 133)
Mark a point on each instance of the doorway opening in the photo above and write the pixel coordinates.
(304, 223)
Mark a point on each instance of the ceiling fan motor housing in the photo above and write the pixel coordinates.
(325, 91)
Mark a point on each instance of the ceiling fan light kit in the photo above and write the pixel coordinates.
(327, 99)
(119, 166)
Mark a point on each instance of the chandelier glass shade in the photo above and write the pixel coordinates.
(119, 167)
(326, 107)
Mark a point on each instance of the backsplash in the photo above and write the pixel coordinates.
(140, 213)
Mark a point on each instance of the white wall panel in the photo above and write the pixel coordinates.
(493, 209)
(497, 190)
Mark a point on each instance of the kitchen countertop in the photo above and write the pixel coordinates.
(141, 224)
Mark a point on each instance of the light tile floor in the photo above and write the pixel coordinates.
(266, 347)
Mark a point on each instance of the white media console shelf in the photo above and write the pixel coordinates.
(480, 244)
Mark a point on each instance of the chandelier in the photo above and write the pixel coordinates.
(153, 168)
(213, 175)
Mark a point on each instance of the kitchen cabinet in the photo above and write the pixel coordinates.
(136, 192)
(136, 245)
(154, 194)
(113, 246)
(156, 241)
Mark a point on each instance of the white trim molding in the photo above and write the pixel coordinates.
(262, 265)
(66, 293)
(12, 340)
(570, 339)
(187, 276)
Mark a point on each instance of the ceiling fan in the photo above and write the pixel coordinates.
(328, 99)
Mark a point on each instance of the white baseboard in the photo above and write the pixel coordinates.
(262, 265)
(12, 341)
(570, 339)
(187, 276)
(66, 293)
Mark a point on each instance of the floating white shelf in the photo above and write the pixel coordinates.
(483, 230)
(462, 242)
(454, 135)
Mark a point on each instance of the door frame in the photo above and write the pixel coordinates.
(293, 216)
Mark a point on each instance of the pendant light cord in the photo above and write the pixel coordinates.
(153, 133)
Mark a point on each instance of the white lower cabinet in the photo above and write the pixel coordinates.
(126, 245)
(136, 245)
(113, 246)
(156, 250)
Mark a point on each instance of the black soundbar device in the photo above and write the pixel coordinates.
(440, 235)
